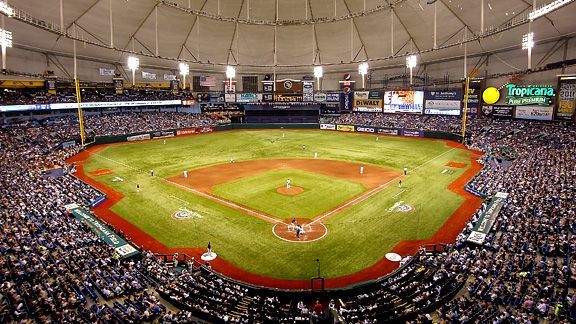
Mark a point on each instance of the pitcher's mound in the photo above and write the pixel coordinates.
(290, 192)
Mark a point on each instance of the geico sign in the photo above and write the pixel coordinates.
(365, 129)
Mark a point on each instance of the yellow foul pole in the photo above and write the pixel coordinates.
(465, 109)
(80, 117)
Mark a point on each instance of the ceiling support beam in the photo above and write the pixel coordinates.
(355, 26)
(81, 15)
(139, 27)
(190, 32)
(407, 31)
(235, 36)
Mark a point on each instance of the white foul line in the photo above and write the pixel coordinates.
(374, 191)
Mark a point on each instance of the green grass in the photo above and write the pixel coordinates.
(357, 237)
(321, 193)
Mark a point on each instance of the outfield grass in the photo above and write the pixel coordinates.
(321, 193)
(357, 237)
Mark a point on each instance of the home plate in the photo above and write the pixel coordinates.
(208, 256)
(394, 257)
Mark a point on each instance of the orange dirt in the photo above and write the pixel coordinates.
(312, 231)
(457, 165)
(101, 172)
(204, 179)
(290, 192)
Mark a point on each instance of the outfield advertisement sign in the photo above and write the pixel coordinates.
(386, 131)
(404, 102)
(85, 105)
(534, 112)
(248, 97)
(475, 88)
(368, 101)
(345, 128)
(487, 219)
(186, 131)
(521, 95)
(566, 103)
(328, 126)
(162, 134)
(346, 101)
(498, 111)
(364, 129)
(140, 137)
(107, 235)
(443, 102)
(411, 133)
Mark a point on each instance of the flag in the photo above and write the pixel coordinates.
(207, 81)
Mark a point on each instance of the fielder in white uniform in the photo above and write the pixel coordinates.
(288, 184)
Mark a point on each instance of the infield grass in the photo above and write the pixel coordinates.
(321, 193)
(357, 237)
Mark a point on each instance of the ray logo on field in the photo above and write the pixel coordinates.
(400, 206)
(184, 213)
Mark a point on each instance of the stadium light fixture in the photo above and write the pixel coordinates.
(230, 74)
(318, 73)
(363, 70)
(184, 71)
(411, 62)
(6, 9)
(5, 41)
(133, 64)
(546, 9)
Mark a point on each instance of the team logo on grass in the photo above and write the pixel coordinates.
(184, 213)
(400, 206)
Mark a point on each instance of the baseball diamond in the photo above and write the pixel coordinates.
(239, 201)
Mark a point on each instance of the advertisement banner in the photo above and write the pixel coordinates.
(288, 97)
(364, 129)
(229, 97)
(566, 103)
(186, 131)
(498, 111)
(328, 126)
(333, 97)
(107, 72)
(320, 97)
(347, 101)
(368, 101)
(520, 95)
(534, 112)
(308, 91)
(57, 106)
(119, 85)
(412, 133)
(386, 131)
(138, 137)
(475, 88)
(443, 102)
(148, 75)
(404, 102)
(122, 248)
(345, 128)
(248, 97)
(162, 134)
(169, 77)
(203, 130)
(487, 219)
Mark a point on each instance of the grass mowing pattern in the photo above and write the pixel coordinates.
(358, 236)
(321, 193)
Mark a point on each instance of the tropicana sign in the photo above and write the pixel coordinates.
(519, 95)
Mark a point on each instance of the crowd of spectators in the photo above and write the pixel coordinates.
(451, 124)
(101, 94)
(53, 268)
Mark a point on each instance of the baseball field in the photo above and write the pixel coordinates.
(234, 195)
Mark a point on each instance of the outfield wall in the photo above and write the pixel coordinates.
(142, 136)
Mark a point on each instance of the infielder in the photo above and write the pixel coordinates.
(361, 169)
(288, 184)
(186, 174)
